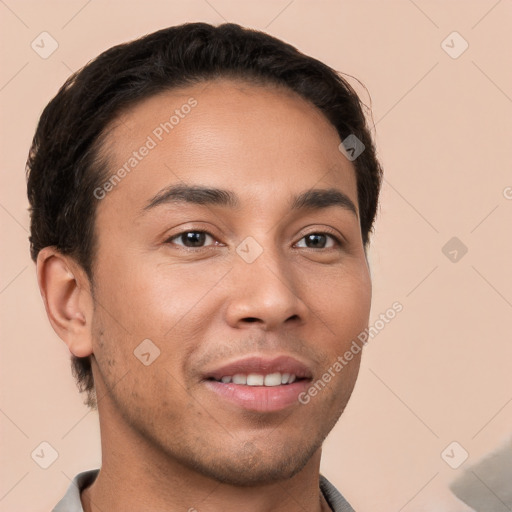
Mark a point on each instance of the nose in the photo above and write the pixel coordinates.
(267, 292)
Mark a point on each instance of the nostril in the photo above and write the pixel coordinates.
(251, 319)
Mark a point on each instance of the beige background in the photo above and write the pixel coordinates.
(440, 371)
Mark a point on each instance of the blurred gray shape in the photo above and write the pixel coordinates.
(487, 485)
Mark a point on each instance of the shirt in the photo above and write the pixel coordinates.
(71, 500)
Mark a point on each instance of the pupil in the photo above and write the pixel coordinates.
(315, 238)
(193, 238)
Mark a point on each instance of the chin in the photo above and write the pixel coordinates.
(252, 466)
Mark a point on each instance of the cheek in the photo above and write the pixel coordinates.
(148, 297)
(133, 367)
(108, 347)
(342, 301)
(355, 306)
(168, 305)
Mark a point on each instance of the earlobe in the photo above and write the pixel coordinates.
(67, 298)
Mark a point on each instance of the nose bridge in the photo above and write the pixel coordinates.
(265, 286)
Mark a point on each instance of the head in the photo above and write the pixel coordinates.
(124, 164)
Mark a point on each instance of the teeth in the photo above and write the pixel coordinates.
(239, 379)
(273, 379)
(254, 379)
(257, 379)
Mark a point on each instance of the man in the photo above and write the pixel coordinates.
(201, 202)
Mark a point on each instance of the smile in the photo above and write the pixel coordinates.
(260, 383)
(257, 379)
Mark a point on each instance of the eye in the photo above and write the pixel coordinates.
(191, 239)
(198, 239)
(319, 240)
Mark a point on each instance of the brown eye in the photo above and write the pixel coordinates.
(190, 239)
(319, 241)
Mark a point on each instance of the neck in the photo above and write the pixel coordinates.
(144, 478)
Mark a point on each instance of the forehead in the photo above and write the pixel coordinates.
(262, 141)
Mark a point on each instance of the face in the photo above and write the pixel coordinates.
(198, 292)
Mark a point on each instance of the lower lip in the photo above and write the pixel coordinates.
(260, 398)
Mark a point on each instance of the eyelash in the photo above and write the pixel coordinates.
(335, 238)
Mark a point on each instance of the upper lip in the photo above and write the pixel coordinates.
(261, 365)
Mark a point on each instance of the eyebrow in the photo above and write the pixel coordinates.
(315, 199)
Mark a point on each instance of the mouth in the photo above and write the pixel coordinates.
(260, 384)
(259, 379)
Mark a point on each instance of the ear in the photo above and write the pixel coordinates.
(66, 293)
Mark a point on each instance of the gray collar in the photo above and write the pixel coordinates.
(71, 500)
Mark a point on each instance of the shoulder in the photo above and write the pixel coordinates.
(336, 501)
(71, 500)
